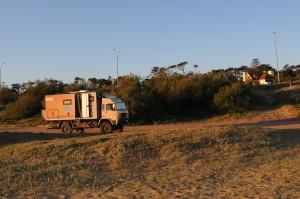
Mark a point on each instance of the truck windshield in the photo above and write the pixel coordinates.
(120, 106)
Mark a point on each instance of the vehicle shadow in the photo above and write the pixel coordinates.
(7, 138)
(284, 138)
(271, 123)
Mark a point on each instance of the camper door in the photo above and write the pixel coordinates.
(85, 105)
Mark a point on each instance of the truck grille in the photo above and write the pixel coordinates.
(123, 115)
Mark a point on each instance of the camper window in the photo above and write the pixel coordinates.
(67, 102)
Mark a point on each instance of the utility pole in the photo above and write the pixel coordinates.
(276, 54)
(117, 52)
(3, 63)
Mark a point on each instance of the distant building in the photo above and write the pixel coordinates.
(248, 77)
(262, 78)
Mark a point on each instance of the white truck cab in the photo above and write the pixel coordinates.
(114, 110)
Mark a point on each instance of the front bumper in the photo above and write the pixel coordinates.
(122, 121)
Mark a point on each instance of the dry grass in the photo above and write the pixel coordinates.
(280, 113)
(203, 163)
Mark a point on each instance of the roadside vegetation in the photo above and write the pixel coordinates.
(167, 94)
(194, 163)
(211, 162)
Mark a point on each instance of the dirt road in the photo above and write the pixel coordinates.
(275, 124)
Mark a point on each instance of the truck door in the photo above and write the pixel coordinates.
(85, 105)
(108, 111)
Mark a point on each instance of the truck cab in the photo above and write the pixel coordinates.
(114, 110)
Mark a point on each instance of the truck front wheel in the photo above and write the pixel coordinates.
(106, 127)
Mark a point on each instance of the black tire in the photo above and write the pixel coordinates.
(106, 127)
(80, 130)
(66, 127)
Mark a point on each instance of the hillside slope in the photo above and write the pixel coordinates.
(192, 163)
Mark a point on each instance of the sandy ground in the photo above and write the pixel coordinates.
(208, 162)
(163, 161)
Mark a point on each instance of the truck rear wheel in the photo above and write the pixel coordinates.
(80, 130)
(106, 127)
(66, 127)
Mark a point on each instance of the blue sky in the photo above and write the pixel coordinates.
(63, 39)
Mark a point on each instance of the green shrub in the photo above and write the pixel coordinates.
(25, 106)
(236, 97)
(7, 96)
(30, 102)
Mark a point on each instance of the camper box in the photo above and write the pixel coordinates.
(71, 106)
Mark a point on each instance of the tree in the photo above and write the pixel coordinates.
(233, 98)
(255, 63)
(181, 66)
(195, 67)
(7, 95)
(155, 69)
(92, 82)
(30, 102)
(171, 67)
(16, 88)
(288, 74)
(297, 71)
(78, 80)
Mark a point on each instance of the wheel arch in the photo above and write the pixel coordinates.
(105, 120)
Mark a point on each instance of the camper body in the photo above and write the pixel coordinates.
(84, 109)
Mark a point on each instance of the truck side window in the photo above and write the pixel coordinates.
(109, 107)
(67, 102)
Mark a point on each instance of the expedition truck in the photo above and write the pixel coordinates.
(76, 111)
